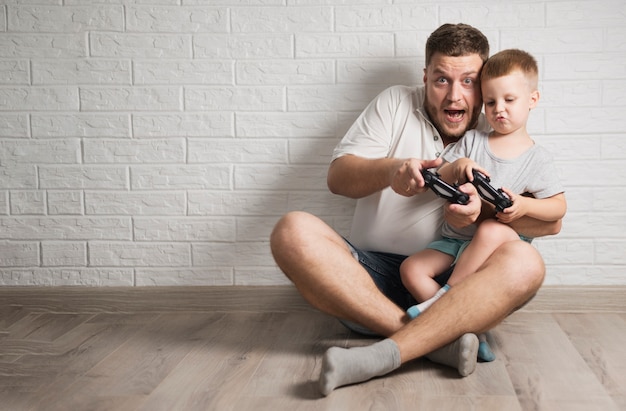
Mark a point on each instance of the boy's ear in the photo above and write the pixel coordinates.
(534, 99)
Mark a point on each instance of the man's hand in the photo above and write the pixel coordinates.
(407, 180)
(460, 216)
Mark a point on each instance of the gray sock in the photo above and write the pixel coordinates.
(460, 354)
(342, 366)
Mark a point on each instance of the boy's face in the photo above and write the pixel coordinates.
(508, 100)
(453, 99)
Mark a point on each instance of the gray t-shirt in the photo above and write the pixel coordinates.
(532, 172)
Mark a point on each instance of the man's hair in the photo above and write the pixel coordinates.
(455, 40)
(507, 61)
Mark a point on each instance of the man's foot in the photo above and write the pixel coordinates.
(341, 366)
(460, 354)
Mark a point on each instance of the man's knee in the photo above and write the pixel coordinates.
(524, 265)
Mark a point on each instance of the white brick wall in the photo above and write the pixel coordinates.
(156, 142)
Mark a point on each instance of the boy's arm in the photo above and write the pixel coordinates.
(543, 209)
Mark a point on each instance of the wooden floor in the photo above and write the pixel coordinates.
(260, 349)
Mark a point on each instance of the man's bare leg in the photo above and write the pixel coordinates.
(509, 278)
(318, 261)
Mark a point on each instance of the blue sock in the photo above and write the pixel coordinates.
(416, 310)
(484, 350)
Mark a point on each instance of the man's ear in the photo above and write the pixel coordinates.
(424, 78)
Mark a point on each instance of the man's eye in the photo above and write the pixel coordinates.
(442, 80)
(469, 81)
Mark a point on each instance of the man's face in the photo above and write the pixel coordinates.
(453, 99)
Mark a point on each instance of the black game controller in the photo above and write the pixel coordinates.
(497, 197)
(443, 189)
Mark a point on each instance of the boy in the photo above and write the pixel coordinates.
(507, 154)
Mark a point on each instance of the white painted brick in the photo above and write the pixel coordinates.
(613, 93)
(18, 176)
(14, 72)
(235, 98)
(588, 120)
(251, 229)
(4, 202)
(64, 253)
(184, 229)
(55, 151)
(214, 254)
(566, 251)
(84, 177)
(176, 19)
(14, 125)
(197, 276)
(585, 275)
(62, 202)
(43, 45)
(248, 151)
(134, 151)
(19, 254)
(286, 177)
(184, 125)
(286, 125)
(613, 146)
(311, 151)
(580, 66)
(237, 203)
(80, 125)
(38, 98)
(411, 44)
(496, 14)
(135, 203)
(321, 203)
(184, 72)
(260, 276)
(330, 98)
(571, 93)
(140, 45)
(28, 202)
(65, 19)
(93, 277)
(243, 46)
(387, 18)
(360, 72)
(132, 254)
(596, 225)
(254, 254)
(344, 45)
(285, 71)
(65, 228)
(615, 38)
(176, 177)
(585, 14)
(553, 40)
(155, 98)
(281, 19)
(609, 252)
(83, 71)
(571, 147)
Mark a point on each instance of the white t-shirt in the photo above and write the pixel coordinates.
(395, 125)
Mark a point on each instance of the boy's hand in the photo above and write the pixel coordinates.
(516, 211)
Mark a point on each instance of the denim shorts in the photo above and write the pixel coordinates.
(384, 268)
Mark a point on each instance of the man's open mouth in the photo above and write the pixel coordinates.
(455, 115)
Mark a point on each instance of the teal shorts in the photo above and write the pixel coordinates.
(455, 247)
(450, 246)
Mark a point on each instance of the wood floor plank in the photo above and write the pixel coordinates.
(545, 368)
(256, 348)
(600, 341)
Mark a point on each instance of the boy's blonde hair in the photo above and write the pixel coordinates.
(507, 61)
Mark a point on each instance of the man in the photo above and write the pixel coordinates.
(378, 162)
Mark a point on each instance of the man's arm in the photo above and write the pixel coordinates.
(356, 177)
